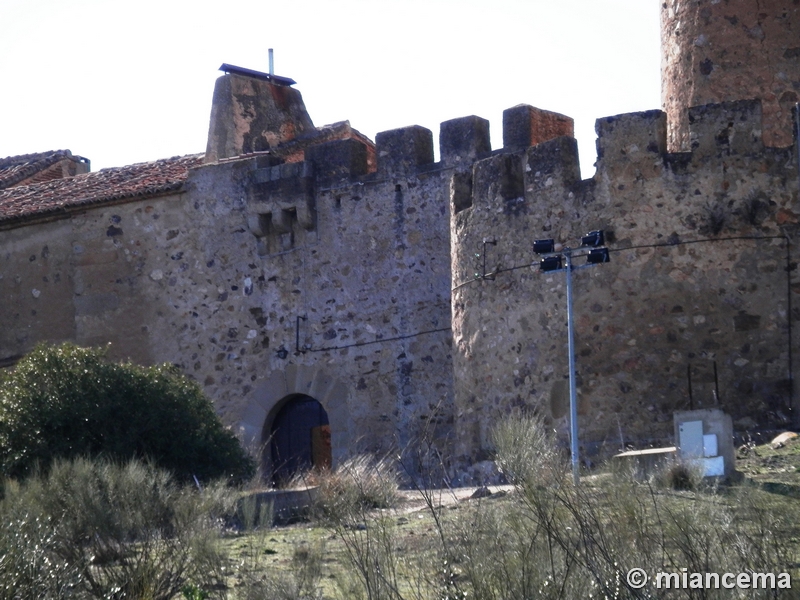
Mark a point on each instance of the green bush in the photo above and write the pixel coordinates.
(67, 401)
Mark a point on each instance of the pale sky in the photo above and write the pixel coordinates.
(124, 82)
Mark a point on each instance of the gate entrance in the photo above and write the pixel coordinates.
(300, 438)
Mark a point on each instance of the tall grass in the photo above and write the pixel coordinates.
(95, 529)
(553, 540)
(356, 501)
(563, 541)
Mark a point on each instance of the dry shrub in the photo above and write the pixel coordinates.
(361, 482)
(554, 540)
(562, 541)
(95, 529)
(679, 476)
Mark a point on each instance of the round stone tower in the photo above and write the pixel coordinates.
(724, 50)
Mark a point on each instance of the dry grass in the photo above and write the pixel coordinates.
(545, 539)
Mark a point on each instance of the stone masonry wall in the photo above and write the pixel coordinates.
(405, 296)
(84, 279)
(698, 276)
(726, 50)
(215, 278)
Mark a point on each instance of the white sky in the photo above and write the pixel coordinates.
(124, 82)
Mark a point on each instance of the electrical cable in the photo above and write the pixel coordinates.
(529, 265)
(699, 241)
(391, 339)
(660, 245)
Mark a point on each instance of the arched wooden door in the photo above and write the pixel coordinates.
(300, 438)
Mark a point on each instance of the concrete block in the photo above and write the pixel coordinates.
(714, 422)
(644, 463)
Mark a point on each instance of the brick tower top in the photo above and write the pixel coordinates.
(725, 50)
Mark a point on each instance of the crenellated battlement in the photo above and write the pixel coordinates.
(537, 168)
(295, 251)
(697, 276)
(540, 156)
(464, 140)
(632, 136)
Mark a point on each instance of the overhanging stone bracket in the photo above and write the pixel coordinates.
(280, 196)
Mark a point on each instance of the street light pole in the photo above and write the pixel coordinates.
(573, 396)
(593, 248)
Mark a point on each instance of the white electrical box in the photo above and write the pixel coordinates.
(691, 439)
(710, 445)
(711, 467)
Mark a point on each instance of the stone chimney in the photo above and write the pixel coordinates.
(253, 112)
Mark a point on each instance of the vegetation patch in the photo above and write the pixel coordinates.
(66, 401)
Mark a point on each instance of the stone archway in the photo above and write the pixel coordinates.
(298, 438)
(271, 395)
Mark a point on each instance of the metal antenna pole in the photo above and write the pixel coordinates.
(573, 401)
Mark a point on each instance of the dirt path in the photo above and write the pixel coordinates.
(414, 501)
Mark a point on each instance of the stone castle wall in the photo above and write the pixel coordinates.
(724, 50)
(350, 273)
(698, 276)
(403, 293)
(345, 270)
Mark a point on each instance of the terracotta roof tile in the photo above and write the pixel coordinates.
(15, 169)
(132, 181)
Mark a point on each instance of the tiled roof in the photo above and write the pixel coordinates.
(14, 169)
(132, 181)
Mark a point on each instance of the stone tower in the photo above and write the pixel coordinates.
(726, 50)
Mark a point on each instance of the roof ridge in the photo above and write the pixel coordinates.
(23, 158)
(14, 169)
(111, 184)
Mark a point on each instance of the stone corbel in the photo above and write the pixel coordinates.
(306, 215)
(258, 224)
